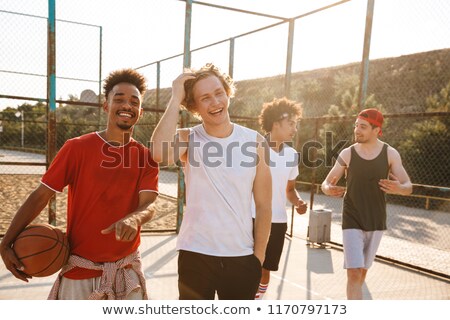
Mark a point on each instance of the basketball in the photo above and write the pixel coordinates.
(42, 248)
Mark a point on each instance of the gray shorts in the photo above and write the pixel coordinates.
(360, 247)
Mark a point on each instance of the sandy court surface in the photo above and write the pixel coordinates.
(15, 188)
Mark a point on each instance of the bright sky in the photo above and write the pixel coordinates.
(138, 32)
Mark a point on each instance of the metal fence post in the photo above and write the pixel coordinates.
(313, 175)
(186, 64)
(231, 58)
(158, 83)
(51, 98)
(187, 35)
(290, 48)
(364, 76)
(100, 79)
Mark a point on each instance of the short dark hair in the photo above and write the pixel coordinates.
(277, 110)
(207, 70)
(124, 75)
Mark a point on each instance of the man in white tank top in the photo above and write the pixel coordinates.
(279, 120)
(220, 251)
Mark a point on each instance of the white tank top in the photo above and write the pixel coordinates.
(219, 175)
(283, 167)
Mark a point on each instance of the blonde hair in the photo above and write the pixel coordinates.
(208, 70)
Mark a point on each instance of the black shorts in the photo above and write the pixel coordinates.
(275, 246)
(200, 276)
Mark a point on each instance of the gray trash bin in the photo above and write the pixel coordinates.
(319, 226)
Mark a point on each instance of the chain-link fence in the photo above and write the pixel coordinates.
(418, 223)
(413, 89)
(24, 73)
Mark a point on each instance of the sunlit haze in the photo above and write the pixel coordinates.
(139, 32)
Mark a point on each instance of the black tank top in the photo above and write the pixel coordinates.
(364, 201)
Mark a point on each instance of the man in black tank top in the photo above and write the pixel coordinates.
(372, 168)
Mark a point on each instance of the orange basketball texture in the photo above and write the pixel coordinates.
(42, 248)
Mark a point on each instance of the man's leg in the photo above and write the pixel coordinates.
(355, 280)
(196, 276)
(364, 273)
(360, 249)
(273, 255)
(263, 284)
(353, 241)
(240, 278)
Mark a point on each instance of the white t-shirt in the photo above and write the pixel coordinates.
(283, 167)
(219, 175)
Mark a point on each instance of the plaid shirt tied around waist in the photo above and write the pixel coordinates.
(115, 283)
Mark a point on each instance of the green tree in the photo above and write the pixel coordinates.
(310, 93)
(33, 125)
(439, 102)
(426, 147)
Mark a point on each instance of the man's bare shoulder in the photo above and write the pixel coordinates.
(393, 154)
(347, 150)
(345, 156)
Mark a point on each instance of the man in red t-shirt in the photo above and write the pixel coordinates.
(112, 182)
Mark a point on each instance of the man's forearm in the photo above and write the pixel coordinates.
(263, 222)
(406, 188)
(143, 214)
(163, 135)
(293, 197)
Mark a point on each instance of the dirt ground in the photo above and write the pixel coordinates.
(15, 188)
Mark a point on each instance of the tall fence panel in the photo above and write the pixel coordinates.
(23, 97)
(411, 86)
(400, 28)
(23, 66)
(23, 80)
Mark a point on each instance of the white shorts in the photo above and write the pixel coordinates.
(360, 247)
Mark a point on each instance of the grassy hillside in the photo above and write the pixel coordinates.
(400, 84)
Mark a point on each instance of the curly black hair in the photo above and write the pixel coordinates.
(277, 110)
(124, 75)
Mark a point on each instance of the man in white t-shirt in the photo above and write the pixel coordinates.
(225, 165)
(279, 120)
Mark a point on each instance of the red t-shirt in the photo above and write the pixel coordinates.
(104, 185)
